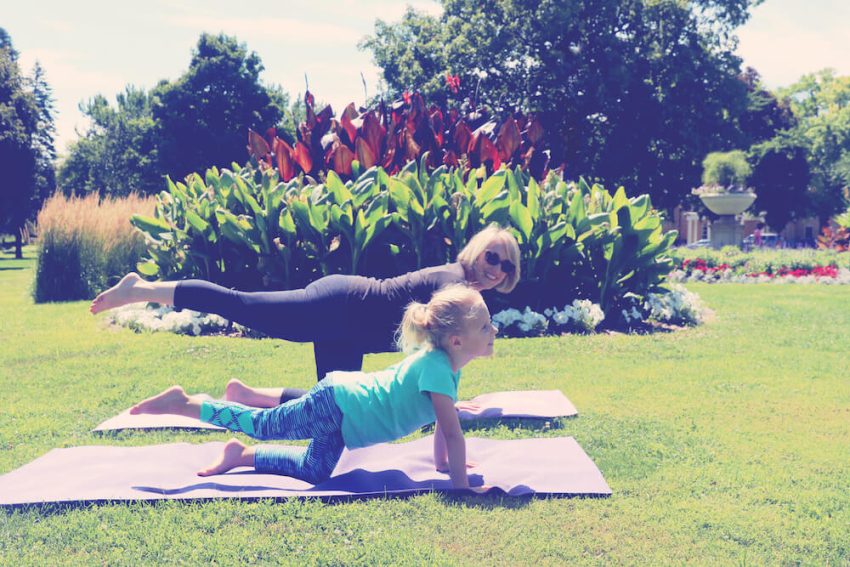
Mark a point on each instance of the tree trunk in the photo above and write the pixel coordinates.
(19, 243)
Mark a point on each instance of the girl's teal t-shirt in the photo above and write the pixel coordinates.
(383, 406)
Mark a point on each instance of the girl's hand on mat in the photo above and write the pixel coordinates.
(483, 489)
(467, 406)
(444, 467)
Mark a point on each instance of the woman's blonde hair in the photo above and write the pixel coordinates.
(429, 325)
(479, 243)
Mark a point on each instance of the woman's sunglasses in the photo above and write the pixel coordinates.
(494, 260)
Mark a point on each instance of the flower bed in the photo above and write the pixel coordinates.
(730, 265)
(676, 307)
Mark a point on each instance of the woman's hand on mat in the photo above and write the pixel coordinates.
(467, 406)
(444, 467)
(484, 488)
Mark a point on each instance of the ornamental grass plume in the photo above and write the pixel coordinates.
(86, 244)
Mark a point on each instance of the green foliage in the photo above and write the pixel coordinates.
(19, 152)
(43, 138)
(821, 103)
(204, 114)
(781, 178)
(625, 99)
(726, 169)
(118, 154)
(765, 115)
(245, 228)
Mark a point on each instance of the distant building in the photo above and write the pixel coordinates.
(692, 228)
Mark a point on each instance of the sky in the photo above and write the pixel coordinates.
(90, 47)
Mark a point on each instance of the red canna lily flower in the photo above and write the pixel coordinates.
(406, 96)
(453, 82)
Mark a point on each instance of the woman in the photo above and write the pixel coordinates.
(344, 317)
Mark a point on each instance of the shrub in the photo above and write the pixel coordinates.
(85, 245)
(245, 228)
(728, 170)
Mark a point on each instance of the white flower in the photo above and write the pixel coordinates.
(678, 306)
(141, 318)
(582, 315)
(523, 323)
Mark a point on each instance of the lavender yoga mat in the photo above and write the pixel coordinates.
(540, 467)
(541, 404)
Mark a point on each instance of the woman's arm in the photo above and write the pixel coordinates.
(450, 433)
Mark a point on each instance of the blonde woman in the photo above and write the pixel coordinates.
(344, 317)
(356, 409)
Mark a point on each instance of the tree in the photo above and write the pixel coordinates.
(781, 179)
(821, 104)
(119, 152)
(43, 138)
(637, 92)
(19, 115)
(765, 115)
(204, 116)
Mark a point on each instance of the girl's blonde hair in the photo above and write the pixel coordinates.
(429, 325)
(479, 243)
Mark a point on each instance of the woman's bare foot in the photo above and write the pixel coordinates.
(174, 400)
(239, 392)
(235, 454)
(118, 295)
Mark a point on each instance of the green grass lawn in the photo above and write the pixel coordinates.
(728, 443)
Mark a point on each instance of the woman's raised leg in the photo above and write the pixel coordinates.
(133, 289)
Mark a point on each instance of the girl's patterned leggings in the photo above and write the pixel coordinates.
(314, 416)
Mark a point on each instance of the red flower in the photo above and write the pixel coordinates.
(406, 96)
(825, 271)
(453, 82)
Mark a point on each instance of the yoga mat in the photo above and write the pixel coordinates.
(540, 404)
(539, 467)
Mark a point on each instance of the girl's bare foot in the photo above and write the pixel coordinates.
(239, 392)
(235, 454)
(173, 400)
(118, 295)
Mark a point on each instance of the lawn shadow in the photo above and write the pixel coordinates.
(533, 424)
(408, 488)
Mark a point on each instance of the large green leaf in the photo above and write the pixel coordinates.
(147, 268)
(533, 199)
(150, 225)
(490, 188)
(400, 195)
(197, 222)
(340, 193)
(521, 219)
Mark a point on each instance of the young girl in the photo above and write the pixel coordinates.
(355, 409)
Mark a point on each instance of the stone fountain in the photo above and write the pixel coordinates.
(727, 230)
